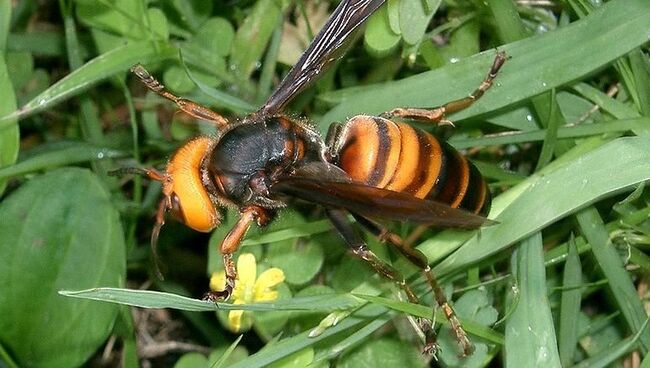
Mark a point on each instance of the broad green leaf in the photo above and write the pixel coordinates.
(383, 352)
(215, 36)
(379, 38)
(305, 229)
(106, 41)
(393, 15)
(222, 99)
(122, 17)
(59, 231)
(157, 24)
(104, 66)
(205, 54)
(300, 260)
(281, 229)
(530, 333)
(268, 325)
(190, 14)
(308, 319)
(414, 17)
(463, 42)
(350, 272)
(175, 79)
(529, 71)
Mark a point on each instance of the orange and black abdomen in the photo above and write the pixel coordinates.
(396, 156)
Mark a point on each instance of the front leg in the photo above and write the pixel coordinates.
(190, 107)
(230, 244)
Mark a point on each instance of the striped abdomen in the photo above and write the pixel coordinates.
(392, 155)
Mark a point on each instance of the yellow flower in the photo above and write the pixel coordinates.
(248, 288)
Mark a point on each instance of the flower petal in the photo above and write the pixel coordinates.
(266, 296)
(247, 270)
(268, 279)
(218, 281)
(234, 319)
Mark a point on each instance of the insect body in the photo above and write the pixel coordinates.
(371, 167)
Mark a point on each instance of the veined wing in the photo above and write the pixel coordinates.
(326, 47)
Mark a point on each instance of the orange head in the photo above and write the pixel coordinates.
(186, 196)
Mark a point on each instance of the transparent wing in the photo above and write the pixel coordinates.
(326, 47)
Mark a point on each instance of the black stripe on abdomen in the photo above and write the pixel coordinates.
(451, 188)
(477, 191)
(383, 149)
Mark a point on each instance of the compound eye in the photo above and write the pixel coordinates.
(196, 212)
(176, 210)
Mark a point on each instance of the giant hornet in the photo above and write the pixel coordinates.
(371, 167)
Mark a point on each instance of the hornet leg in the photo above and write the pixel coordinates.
(339, 219)
(190, 107)
(439, 114)
(230, 244)
(418, 259)
(358, 246)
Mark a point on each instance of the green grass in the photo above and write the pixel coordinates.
(563, 138)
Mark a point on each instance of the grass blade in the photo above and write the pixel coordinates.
(118, 60)
(612, 267)
(156, 299)
(570, 307)
(607, 357)
(9, 133)
(66, 155)
(530, 333)
(547, 194)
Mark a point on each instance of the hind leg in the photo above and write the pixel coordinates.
(338, 217)
(420, 260)
(438, 115)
